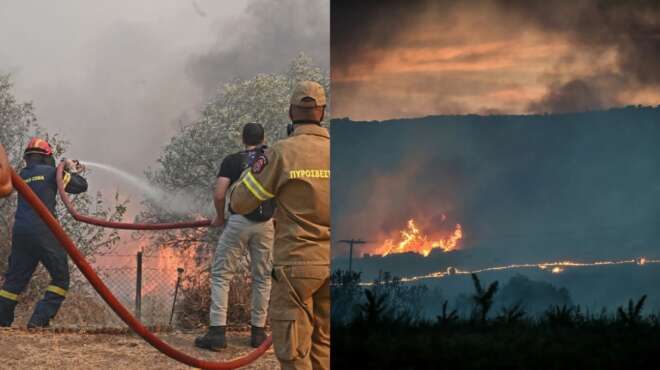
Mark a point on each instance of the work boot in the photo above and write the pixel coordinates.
(258, 336)
(213, 340)
(38, 323)
(6, 313)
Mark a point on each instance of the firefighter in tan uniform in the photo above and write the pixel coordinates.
(5, 174)
(296, 172)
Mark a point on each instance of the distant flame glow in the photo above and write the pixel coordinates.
(412, 239)
(556, 267)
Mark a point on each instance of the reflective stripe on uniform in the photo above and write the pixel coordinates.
(256, 188)
(66, 179)
(57, 290)
(8, 295)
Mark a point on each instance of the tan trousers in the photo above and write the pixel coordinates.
(300, 316)
(240, 234)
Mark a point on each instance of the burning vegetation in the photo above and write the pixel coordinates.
(413, 239)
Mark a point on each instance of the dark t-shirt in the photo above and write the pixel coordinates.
(233, 166)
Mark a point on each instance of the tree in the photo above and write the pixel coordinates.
(446, 317)
(346, 293)
(188, 166)
(632, 316)
(483, 298)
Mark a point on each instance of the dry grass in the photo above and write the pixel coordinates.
(49, 350)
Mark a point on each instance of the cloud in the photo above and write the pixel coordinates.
(579, 56)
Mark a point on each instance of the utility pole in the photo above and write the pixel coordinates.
(350, 256)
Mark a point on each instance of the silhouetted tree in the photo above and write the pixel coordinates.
(512, 314)
(346, 294)
(375, 310)
(446, 317)
(483, 298)
(563, 316)
(633, 315)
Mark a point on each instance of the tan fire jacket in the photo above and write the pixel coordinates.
(296, 172)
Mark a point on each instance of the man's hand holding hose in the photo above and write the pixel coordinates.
(73, 166)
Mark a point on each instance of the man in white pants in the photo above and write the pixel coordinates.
(253, 231)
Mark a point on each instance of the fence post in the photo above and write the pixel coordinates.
(138, 287)
(179, 271)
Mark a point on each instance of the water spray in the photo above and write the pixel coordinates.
(135, 181)
(177, 203)
(119, 225)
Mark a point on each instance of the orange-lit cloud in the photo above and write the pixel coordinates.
(394, 60)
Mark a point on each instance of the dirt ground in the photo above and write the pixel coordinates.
(50, 350)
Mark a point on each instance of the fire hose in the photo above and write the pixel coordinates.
(26, 192)
(118, 225)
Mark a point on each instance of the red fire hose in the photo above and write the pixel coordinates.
(87, 270)
(119, 225)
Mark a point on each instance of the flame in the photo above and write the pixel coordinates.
(412, 239)
(557, 267)
(164, 264)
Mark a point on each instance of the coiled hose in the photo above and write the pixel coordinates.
(105, 293)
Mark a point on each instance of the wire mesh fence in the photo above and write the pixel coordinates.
(156, 290)
(146, 290)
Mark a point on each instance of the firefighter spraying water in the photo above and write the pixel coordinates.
(33, 243)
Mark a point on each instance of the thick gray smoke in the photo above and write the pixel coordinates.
(630, 29)
(612, 47)
(117, 79)
(265, 38)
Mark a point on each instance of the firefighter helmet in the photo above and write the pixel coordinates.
(39, 146)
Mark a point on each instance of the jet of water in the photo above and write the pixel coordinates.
(179, 203)
(139, 183)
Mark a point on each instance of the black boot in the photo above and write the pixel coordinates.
(214, 339)
(6, 312)
(38, 322)
(258, 336)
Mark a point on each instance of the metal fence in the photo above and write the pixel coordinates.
(149, 292)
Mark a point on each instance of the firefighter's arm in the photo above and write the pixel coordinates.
(257, 184)
(5, 174)
(73, 182)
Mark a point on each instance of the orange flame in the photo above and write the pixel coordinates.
(413, 240)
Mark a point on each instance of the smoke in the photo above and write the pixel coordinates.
(117, 79)
(630, 30)
(401, 59)
(269, 34)
(523, 187)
